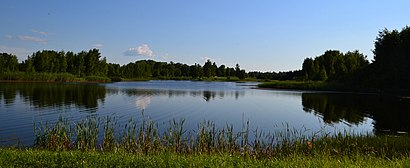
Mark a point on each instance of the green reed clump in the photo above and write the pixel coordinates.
(87, 134)
(38, 76)
(143, 137)
(173, 138)
(97, 79)
(109, 141)
(56, 137)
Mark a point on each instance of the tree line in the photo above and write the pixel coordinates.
(391, 64)
(388, 70)
(333, 65)
(90, 63)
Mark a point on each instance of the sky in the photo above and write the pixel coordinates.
(260, 35)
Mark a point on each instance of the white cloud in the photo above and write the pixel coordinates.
(166, 56)
(9, 36)
(21, 53)
(98, 45)
(32, 39)
(142, 50)
(40, 32)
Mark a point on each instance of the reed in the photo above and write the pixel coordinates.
(35, 76)
(144, 138)
(56, 137)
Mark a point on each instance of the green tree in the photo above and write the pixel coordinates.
(27, 65)
(222, 71)
(207, 69)
(323, 74)
(8, 62)
(91, 61)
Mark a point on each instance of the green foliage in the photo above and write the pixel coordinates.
(299, 85)
(44, 158)
(391, 60)
(334, 65)
(65, 145)
(43, 77)
(8, 63)
(90, 65)
(97, 79)
(144, 138)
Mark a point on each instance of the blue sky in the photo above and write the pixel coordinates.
(263, 35)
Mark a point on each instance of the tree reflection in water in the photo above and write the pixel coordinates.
(388, 113)
(45, 95)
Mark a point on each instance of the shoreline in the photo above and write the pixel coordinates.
(331, 87)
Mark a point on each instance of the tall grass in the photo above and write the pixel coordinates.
(145, 138)
(97, 79)
(59, 136)
(316, 85)
(34, 76)
(299, 85)
(49, 77)
(46, 158)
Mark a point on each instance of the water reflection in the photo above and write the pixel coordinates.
(207, 95)
(388, 113)
(44, 95)
(334, 107)
(142, 102)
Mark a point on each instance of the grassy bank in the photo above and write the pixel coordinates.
(331, 86)
(48, 77)
(45, 158)
(67, 77)
(314, 85)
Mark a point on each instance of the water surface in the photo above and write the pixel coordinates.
(24, 104)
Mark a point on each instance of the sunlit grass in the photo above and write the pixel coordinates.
(46, 158)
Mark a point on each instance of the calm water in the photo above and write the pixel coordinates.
(24, 104)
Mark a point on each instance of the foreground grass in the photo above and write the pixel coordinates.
(44, 158)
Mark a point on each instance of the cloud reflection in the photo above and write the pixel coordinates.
(142, 102)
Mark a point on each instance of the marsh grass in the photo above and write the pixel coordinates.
(49, 77)
(144, 137)
(318, 85)
(300, 85)
(35, 76)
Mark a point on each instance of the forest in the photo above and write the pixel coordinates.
(387, 70)
(90, 63)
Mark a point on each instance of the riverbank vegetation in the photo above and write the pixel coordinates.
(95, 142)
(387, 73)
(45, 158)
(334, 70)
(49, 65)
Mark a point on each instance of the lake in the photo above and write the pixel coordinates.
(23, 105)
